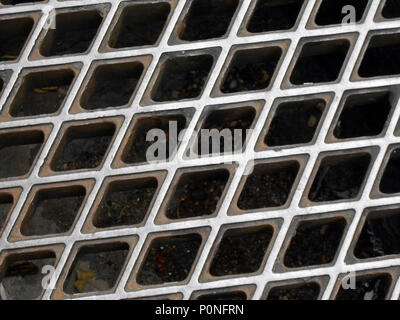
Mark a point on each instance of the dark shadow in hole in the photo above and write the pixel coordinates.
(330, 11)
(299, 291)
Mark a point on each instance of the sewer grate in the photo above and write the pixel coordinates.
(82, 83)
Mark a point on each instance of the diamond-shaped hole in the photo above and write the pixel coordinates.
(22, 278)
(53, 211)
(197, 194)
(112, 85)
(380, 235)
(295, 122)
(182, 78)
(205, 13)
(234, 295)
(298, 291)
(314, 243)
(138, 145)
(374, 287)
(15, 2)
(390, 182)
(140, 25)
(73, 34)
(18, 151)
(363, 115)
(231, 125)
(380, 58)
(251, 69)
(126, 202)
(83, 147)
(42, 93)
(6, 202)
(274, 15)
(391, 9)
(320, 62)
(269, 185)
(241, 251)
(340, 177)
(330, 11)
(96, 268)
(13, 36)
(169, 259)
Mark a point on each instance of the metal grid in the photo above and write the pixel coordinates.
(280, 219)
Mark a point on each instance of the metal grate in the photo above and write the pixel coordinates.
(77, 98)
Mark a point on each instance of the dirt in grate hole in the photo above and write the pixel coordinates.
(14, 2)
(367, 288)
(140, 25)
(274, 15)
(96, 268)
(234, 120)
(330, 11)
(182, 78)
(306, 291)
(391, 9)
(6, 202)
(234, 295)
(197, 194)
(380, 235)
(13, 36)
(83, 150)
(390, 182)
(295, 122)
(53, 211)
(269, 185)
(41, 93)
(314, 243)
(138, 145)
(363, 115)
(241, 251)
(125, 203)
(339, 177)
(169, 259)
(22, 279)
(205, 13)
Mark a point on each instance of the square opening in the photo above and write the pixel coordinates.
(140, 25)
(390, 182)
(363, 115)
(169, 259)
(340, 177)
(137, 146)
(372, 287)
(298, 291)
(251, 69)
(231, 134)
(295, 122)
(380, 235)
(391, 9)
(13, 36)
(74, 33)
(18, 152)
(182, 78)
(234, 295)
(22, 277)
(330, 11)
(320, 61)
(6, 203)
(96, 268)
(53, 211)
(314, 243)
(83, 147)
(241, 251)
(274, 15)
(208, 19)
(111, 85)
(269, 185)
(197, 194)
(42, 93)
(125, 202)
